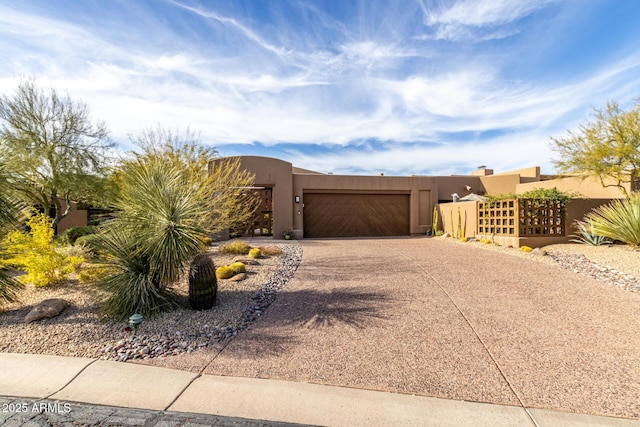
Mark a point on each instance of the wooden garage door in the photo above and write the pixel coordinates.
(356, 215)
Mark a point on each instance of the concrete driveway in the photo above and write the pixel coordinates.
(429, 317)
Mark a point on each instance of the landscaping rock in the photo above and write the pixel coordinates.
(238, 277)
(245, 260)
(46, 309)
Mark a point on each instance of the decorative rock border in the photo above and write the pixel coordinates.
(582, 265)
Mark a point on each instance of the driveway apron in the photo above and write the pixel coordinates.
(430, 317)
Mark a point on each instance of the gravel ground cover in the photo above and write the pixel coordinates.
(81, 331)
(617, 265)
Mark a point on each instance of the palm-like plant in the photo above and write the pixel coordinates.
(619, 220)
(156, 234)
(132, 286)
(8, 286)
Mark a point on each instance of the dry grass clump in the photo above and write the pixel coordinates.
(236, 247)
(270, 250)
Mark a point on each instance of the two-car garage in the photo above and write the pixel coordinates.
(355, 215)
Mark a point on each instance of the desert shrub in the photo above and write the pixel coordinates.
(271, 250)
(224, 272)
(525, 249)
(72, 234)
(92, 273)
(89, 241)
(207, 241)
(238, 267)
(618, 220)
(586, 235)
(38, 254)
(255, 253)
(236, 247)
(132, 285)
(79, 251)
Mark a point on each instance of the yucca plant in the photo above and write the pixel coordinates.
(619, 220)
(155, 235)
(8, 286)
(586, 235)
(132, 286)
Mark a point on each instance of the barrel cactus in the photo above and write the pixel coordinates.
(203, 285)
(238, 267)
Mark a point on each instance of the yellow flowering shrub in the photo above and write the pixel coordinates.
(37, 254)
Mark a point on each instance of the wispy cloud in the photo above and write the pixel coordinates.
(478, 19)
(424, 81)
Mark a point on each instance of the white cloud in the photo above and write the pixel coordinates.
(485, 12)
(479, 19)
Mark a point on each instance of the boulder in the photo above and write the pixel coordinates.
(245, 260)
(238, 277)
(46, 309)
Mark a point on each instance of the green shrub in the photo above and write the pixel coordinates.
(72, 234)
(224, 272)
(236, 247)
(207, 241)
(238, 267)
(255, 253)
(619, 220)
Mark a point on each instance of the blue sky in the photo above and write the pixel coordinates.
(400, 87)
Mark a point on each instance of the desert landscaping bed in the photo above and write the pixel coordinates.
(81, 331)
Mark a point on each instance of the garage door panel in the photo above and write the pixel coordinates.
(356, 215)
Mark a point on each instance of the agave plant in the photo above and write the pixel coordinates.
(619, 220)
(586, 235)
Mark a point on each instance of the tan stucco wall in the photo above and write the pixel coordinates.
(75, 218)
(447, 185)
(500, 184)
(468, 211)
(589, 188)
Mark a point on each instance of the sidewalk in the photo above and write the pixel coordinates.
(169, 393)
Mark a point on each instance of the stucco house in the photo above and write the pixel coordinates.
(312, 204)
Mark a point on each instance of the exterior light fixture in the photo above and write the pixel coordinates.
(134, 322)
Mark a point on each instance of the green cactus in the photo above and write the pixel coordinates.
(238, 267)
(435, 221)
(203, 285)
(255, 253)
(224, 272)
